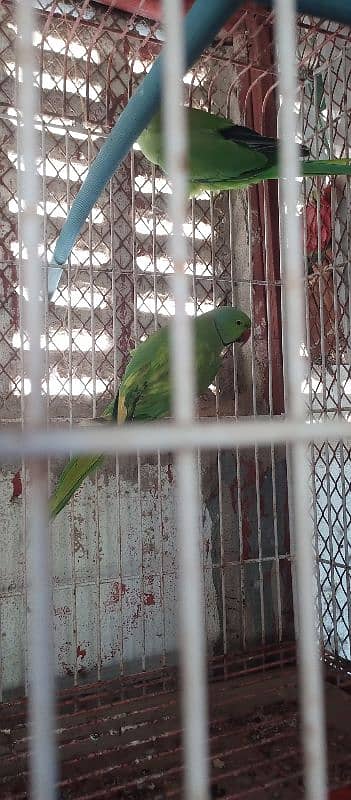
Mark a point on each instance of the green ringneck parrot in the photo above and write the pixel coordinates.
(226, 156)
(145, 389)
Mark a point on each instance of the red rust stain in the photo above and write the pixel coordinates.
(81, 652)
(17, 486)
(149, 599)
(117, 591)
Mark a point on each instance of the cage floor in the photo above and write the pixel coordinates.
(122, 738)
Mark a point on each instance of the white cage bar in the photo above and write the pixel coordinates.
(311, 687)
(41, 674)
(191, 617)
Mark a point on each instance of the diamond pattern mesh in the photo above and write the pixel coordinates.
(324, 114)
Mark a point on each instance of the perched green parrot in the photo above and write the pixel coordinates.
(227, 156)
(145, 389)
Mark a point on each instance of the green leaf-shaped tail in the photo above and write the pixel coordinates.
(75, 471)
(70, 480)
(333, 166)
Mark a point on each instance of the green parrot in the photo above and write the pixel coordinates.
(227, 156)
(145, 389)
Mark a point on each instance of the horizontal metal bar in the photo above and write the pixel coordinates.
(168, 437)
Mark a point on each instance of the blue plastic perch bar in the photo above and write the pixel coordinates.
(202, 23)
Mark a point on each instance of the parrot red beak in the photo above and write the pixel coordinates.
(245, 336)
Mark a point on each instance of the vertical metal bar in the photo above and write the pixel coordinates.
(45, 239)
(269, 293)
(347, 314)
(340, 447)
(219, 453)
(159, 478)
(197, 304)
(192, 634)
(310, 412)
(139, 463)
(257, 473)
(91, 282)
(234, 299)
(119, 552)
(332, 571)
(348, 204)
(154, 246)
(325, 372)
(310, 673)
(142, 563)
(136, 338)
(69, 290)
(41, 683)
(162, 567)
(93, 377)
(22, 344)
(70, 410)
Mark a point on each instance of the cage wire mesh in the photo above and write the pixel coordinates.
(114, 549)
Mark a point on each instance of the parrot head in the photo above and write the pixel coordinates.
(232, 325)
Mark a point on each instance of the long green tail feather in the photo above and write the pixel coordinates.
(74, 473)
(336, 166)
(70, 480)
(333, 166)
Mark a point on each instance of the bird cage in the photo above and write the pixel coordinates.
(114, 548)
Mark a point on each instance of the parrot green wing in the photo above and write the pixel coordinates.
(144, 393)
(218, 150)
(212, 158)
